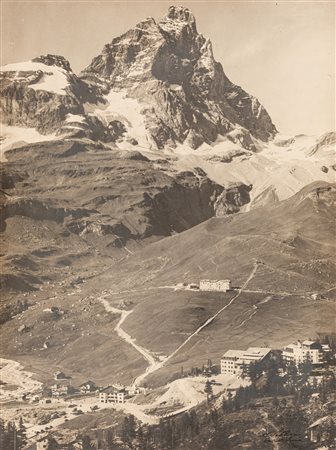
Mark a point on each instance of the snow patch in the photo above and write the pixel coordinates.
(14, 137)
(74, 118)
(286, 168)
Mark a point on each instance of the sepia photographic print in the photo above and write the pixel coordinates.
(167, 221)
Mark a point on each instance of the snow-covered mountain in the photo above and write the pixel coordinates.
(158, 85)
(158, 90)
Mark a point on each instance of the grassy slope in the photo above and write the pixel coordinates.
(294, 242)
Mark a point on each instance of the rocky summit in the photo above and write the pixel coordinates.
(164, 71)
(187, 98)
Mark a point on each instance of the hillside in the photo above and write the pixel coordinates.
(285, 252)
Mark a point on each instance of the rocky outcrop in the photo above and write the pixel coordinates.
(232, 199)
(325, 141)
(188, 201)
(38, 210)
(40, 93)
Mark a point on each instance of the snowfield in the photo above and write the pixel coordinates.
(276, 172)
(54, 78)
(128, 110)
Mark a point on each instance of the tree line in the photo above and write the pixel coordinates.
(12, 435)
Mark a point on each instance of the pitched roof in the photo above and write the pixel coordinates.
(113, 389)
(89, 382)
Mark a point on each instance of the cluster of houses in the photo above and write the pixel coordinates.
(235, 362)
(115, 393)
(207, 286)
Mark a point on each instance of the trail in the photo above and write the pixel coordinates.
(125, 336)
(255, 310)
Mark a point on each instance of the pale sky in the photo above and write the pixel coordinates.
(281, 52)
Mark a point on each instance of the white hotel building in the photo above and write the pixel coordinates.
(302, 352)
(234, 361)
(215, 285)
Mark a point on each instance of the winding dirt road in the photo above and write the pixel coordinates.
(154, 363)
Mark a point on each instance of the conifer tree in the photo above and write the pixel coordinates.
(208, 390)
(21, 434)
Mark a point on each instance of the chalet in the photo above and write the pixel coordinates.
(113, 394)
(215, 285)
(50, 443)
(133, 390)
(233, 362)
(46, 443)
(87, 387)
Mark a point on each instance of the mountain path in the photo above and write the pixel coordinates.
(155, 364)
(125, 336)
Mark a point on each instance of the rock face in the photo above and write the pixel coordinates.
(167, 68)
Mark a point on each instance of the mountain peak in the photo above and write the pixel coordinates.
(181, 13)
(167, 71)
(178, 17)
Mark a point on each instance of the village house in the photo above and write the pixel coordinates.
(215, 285)
(305, 351)
(87, 387)
(50, 443)
(234, 362)
(59, 376)
(59, 390)
(133, 390)
(113, 394)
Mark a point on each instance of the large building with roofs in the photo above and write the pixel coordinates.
(113, 394)
(233, 362)
(215, 285)
(304, 351)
